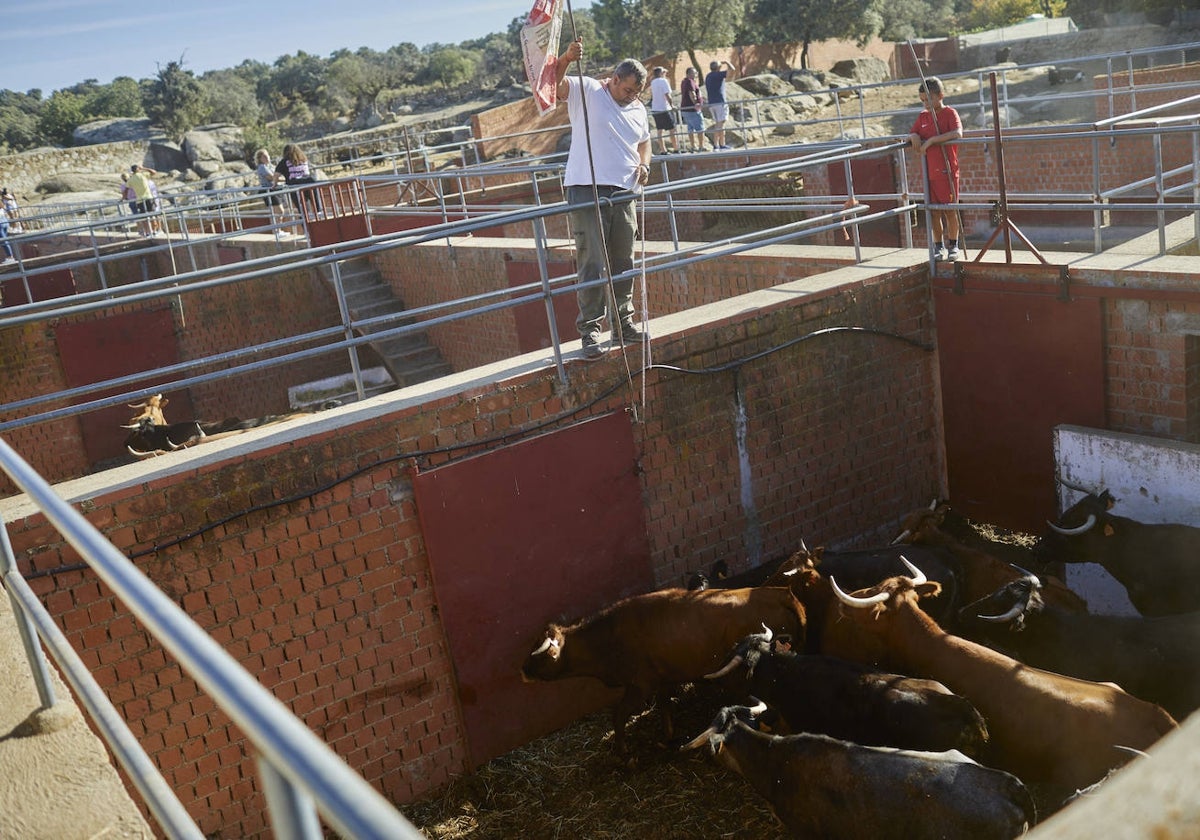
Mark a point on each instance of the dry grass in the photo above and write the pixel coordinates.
(570, 785)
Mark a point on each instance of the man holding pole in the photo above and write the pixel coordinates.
(610, 153)
(935, 133)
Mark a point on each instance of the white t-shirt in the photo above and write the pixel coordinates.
(616, 132)
(660, 94)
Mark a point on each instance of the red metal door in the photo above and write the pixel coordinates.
(533, 333)
(93, 351)
(871, 175)
(1014, 365)
(547, 529)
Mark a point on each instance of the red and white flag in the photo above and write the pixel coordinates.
(539, 45)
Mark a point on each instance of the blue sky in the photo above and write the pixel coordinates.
(52, 44)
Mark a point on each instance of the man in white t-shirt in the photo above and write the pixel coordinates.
(609, 159)
(661, 109)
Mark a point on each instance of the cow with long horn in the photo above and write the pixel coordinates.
(1056, 730)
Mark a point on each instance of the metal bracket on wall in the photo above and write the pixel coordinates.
(1064, 284)
(960, 273)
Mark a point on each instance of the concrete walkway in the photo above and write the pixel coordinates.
(56, 778)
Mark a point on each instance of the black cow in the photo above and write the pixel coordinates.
(1159, 565)
(822, 787)
(1156, 659)
(150, 438)
(651, 644)
(831, 696)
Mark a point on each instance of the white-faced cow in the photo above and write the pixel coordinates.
(830, 696)
(1044, 727)
(1156, 659)
(651, 644)
(821, 787)
(1159, 565)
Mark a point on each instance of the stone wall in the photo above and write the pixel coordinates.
(22, 172)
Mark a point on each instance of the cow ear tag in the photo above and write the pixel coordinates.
(1108, 530)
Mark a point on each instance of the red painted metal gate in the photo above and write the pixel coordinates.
(93, 351)
(1015, 362)
(532, 330)
(548, 529)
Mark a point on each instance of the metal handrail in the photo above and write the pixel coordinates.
(301, 774)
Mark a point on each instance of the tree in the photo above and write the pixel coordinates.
(121, 98)
(674, 26)
(806, 21)
(19, 119)
(60, 116)
(175, 100)
(229, 97)
(905, 19)
(991, 14)
(451, 65)
(364, 75)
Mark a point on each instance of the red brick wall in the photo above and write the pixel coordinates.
(327, 599)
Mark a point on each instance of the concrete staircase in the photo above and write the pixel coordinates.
(410, 358)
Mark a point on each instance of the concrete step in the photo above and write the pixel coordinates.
(424, 373)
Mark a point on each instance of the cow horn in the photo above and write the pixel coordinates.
(759, 706)
(903, 536)
(803, 547)
(933, 504)
(729, 666)
(1013, 612)
(854, 600)
(767, 630)
(1026, 572)
(700, 740)
(1071, 532)
(545, 646)
(918, 577)
(1071, 486)
(134, 426)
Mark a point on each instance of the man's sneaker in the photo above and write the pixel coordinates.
(953, 254)
(939, 253)
(631, 334)
(591, 346)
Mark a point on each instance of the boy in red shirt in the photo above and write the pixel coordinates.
(935, 133)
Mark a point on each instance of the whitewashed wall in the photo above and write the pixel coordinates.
(1152, 480)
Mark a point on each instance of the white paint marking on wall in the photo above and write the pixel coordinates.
(1153, 481)
(741, 424)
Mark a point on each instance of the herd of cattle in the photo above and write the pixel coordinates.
(937, 688)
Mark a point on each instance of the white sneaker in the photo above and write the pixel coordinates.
(939, 253)
(953, 254)
(8, 261)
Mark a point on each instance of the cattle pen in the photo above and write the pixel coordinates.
(383, 566)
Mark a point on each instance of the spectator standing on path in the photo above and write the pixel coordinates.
(662, 110)
(269, 180)
(690, 104)
(612, 140)
(12, 209)
(143, 196)
(8, 251)
(935, 133)
(714, 86)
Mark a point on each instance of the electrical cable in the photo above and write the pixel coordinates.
(487, 444)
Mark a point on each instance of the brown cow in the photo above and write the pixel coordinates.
(979, 572)
(1060, 731)
(650, 644)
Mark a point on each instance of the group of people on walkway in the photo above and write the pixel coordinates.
(140, 191)
(693, 99)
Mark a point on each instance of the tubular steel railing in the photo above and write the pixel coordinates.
(301, 775)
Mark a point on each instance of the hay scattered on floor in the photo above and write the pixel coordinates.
(571, 785)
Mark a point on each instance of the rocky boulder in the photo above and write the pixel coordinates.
(764, 85)
(866, 70)
(115, 131)
(208, 148)
(80, 182)
(166, 156)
